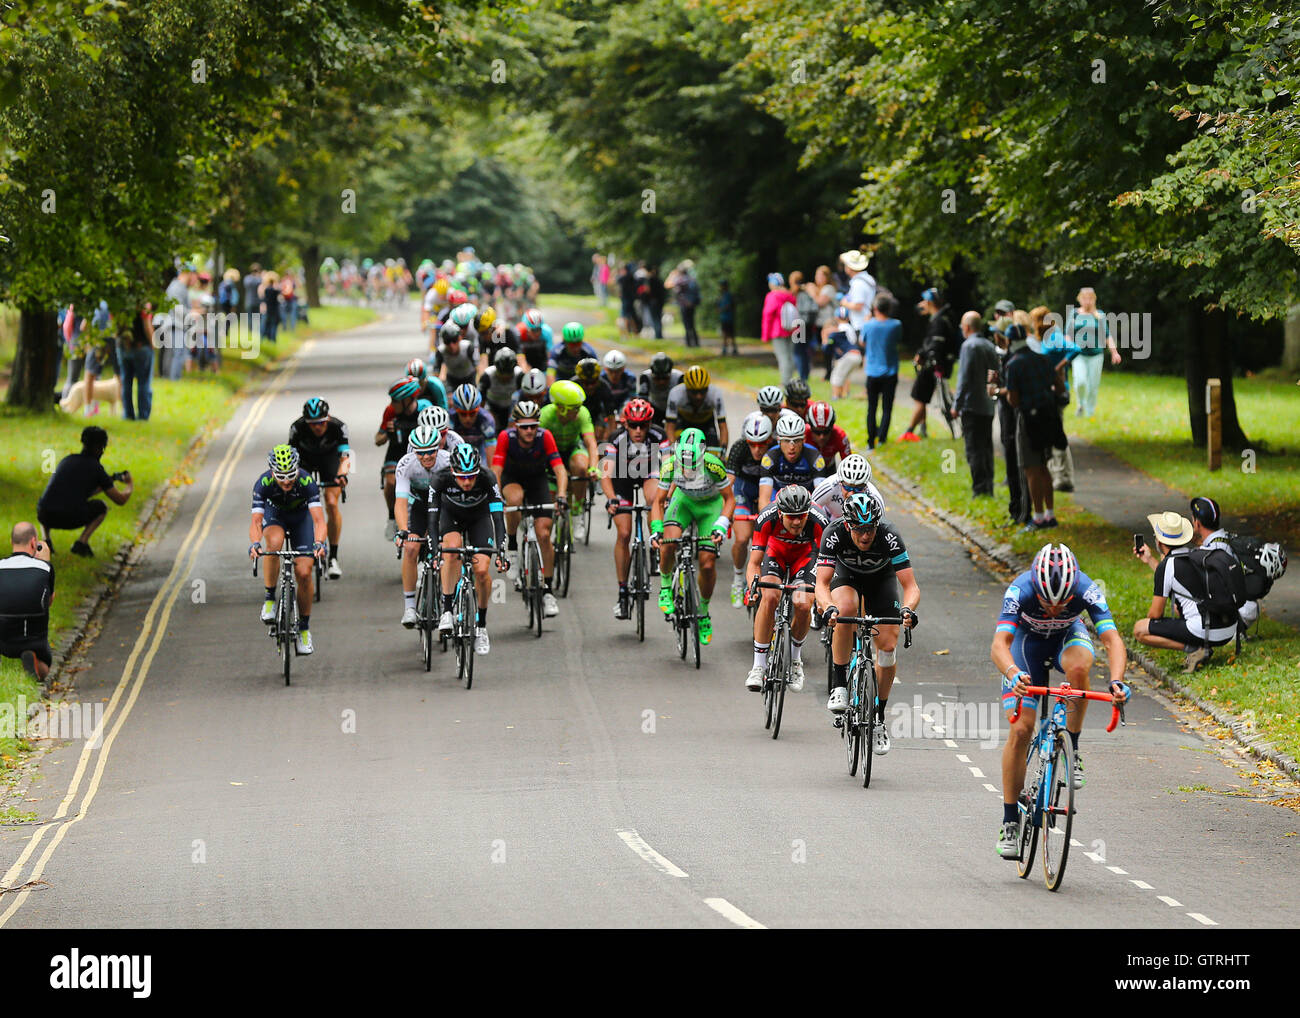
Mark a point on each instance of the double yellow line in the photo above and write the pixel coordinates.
(155, 625)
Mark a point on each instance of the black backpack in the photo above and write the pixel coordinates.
(1225, 586)
(1247, 549)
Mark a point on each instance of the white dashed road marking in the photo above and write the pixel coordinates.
(637, 844)
(729, 911)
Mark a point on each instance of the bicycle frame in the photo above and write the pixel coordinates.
(779, 652)
(286, 604)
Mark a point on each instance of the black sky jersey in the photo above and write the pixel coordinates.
(446, 497)
(886, 555)
(335, 438)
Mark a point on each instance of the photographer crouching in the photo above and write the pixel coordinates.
(68, 500)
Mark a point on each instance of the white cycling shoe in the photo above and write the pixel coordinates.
(390, 530)
(579, 529)
(268, 611)
(336, 571)
(754, 680)
(304, 642)
(795, 684)
(409, 618)
(550, 606)
(839, 701)
(445, 623)
(881, 741)
(481, 642)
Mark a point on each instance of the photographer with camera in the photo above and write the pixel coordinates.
(937, 354)
(68, 500)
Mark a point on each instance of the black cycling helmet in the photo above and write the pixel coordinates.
(793, 500)
(797, 391)
(661, 365)
(504, 359)
(315, 409)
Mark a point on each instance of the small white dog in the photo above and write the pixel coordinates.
(106, 391)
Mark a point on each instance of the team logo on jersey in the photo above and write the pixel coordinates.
(1095, 595)
(1011, 601)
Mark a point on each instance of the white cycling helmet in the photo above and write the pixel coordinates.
(425, 438)
(1273, 558)
(770, 397)
(855, 471)
(533, 383)
(615, 360)
(790, 425)
(758, 427)
(434, 417)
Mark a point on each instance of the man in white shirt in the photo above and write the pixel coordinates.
(1207, 532)
(862, 289)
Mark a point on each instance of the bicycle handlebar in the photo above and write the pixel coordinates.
(1068, 692)
(281, 554)
(529, 508)
(871, 622)
(464, 550)
(796, 587)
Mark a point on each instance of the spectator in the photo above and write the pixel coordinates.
(1003, 311)
(938, 350)
(1010, 344)
(823, 292)
(1089, 329)
(270, 306)
(974, 404)
(686, 291)
(627, 286)
(73, 327)
(228, 292)
(252, 289)
(801, 339)
(137, 366)
(599, 278)
(727, 318)
(1060, 351)
(26, 590)
(289, 299)
(861, 292)
(778, 324)
(1031, 386)
(101, 350)
(1208, 532)
(175, 352)
(880, 338)
(1179, 578)
(66, 503)
(656, 294)
(845, 348)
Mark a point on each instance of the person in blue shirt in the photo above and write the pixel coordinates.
(880, 336)
(1041, 629)
(1061, 350)
(571, 349)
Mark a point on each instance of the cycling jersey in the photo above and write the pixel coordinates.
(481, 430)
(269, 496)
(886, 555)
(434, 391)
(650, 387)
(567, 433)
(787, 554)
(412, 479)
(526, 461)
(834, 443)
(708, 480)
(334, 440)
(564, 363)
(779, 471)
(706, 414)
(462, 361)
(600, 401)
(1021, 608)
(451, 508)
(632, 463)
(828, 496)
(536, 347)
(623, 388)
(499, 388)
(748, 472)
(403, 425)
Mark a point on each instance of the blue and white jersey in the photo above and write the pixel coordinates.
(828, 496)
(1021, 608)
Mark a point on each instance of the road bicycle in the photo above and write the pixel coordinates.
(426, 597)
(1046, 803)
(858, 723)
(283, 627)
(562, 539)
(685, 615)
(464, 610)
(530, 564)
(777, 673)
(319, 566)
(638, 585)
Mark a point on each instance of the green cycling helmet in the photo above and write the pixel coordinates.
(573, 332)
(567, 394)
(690, 449)
(283, 462)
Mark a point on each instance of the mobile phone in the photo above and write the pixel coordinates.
(1138, 542)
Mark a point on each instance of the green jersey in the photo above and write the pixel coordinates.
(705, 482)
(567, 433)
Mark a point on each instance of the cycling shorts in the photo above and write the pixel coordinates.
(327, 464)
(475, 530)
(704, 513)
(791, 561)
(747, 507)
(537, 490)
(879, 592)
(297, 526)
(1039, 656)
(417, 516)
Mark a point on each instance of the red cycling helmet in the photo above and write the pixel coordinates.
(821, 415)
(457, 297)
(638, 411)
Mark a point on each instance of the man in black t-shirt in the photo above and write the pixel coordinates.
(26, 590)
(67, 502)
(938, 350)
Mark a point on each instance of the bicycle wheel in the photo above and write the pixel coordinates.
(775, 667)
(1028, 830)
(778, 683)
(285, 628)
(639, 589)
(423, 611)
(535, 580)
(693, 614)
(1058, 815)
(318, 574)
(850, 733)
(468, 620)
(869, 725)
(563, 554)
(679, 612)
(830, 660)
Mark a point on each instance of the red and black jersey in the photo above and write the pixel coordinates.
(526, 461)
(834, 443)
(769, 531)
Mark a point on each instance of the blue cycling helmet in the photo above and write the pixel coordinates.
(466, 397)
(863, 509)
(464, 460)
(315, 409)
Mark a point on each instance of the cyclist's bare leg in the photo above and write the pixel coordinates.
(302, 569)
(765, 614)
(803, 603)
(708, 570)
(482, 582)
(577, 479)
(668, 547)
(272, 540)
(333, 515)
(844, 598)
(512, 495)
(410, 556)
(1076, 662)
(622, 545)
(543, 526)
(887, 641)
(390, 489)
(451, 563)
(1013, 753)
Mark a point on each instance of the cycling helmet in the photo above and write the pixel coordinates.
(504, 359)
(758, 427)
(1053, 573)
(863, 509)
(769, 397)
(534, 382)
(696, 377)
(690, 449)
(587, 370)
(457, 296)
(463, 315)
(525, 410)
(434, 417)
(315, 409)
(466, 397)
(486, 319)
(567, 394)
(450, 332)
(464, 460)
(1272, 557)
(790, 425)
(797, 391)
(441, 286)
(425, 438)
(661, 365)
(532, 320)
(793, 500)
(573, 332)
(283, 461)
(821, 415)
(416, 368)
(855, 471)
(615, 361)
(638, 411)
(403, 389)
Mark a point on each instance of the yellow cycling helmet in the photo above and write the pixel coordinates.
(441, 286)
(485, 319)
(696, 377)
(567, 394)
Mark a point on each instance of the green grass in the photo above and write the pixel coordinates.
(14, 683)
(153, 450)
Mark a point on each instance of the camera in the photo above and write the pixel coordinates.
(121, 476)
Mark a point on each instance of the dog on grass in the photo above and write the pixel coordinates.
(106, 391)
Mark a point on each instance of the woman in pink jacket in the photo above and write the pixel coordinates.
(775, 328)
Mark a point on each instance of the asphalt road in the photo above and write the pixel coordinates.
(585, 780)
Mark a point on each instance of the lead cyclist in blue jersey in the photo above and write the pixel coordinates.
(1041, 628)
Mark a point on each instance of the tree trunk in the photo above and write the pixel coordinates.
(310, 255)
(36, 361)
(1208, 354)
(1291, 349)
